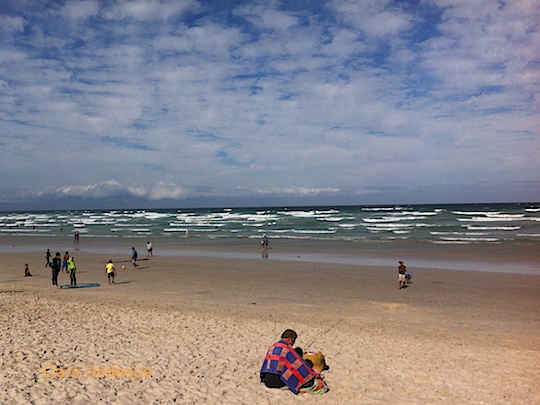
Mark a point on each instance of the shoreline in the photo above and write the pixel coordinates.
(520, 258)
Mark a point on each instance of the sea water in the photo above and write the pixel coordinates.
(438, 224)
(395, 228)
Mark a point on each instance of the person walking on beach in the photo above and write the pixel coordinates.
(110, 270)
(149, 249)
(27, 270)
(402, 270)
(72, 269)
(56, 264)
(134, 257)
(65, 262)
(48, 257)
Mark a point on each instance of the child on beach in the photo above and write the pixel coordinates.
(48, 256)
(26, 271)
(65, 262)
(110, 270)
(134, 257)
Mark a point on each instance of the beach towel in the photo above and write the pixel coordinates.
(281, 359)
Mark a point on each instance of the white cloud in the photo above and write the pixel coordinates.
(113, 188)
(75, 10)
(169, 97)
(10, 24)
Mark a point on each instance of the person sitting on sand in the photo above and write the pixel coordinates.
(402, 270)
(26, 271)
(283, 366)
(110, 270)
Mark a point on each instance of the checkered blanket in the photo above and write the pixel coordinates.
(281, 359)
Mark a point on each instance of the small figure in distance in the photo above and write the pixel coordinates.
(56, 264)
(134, 257)
(149, 249)
(402, 271)
(408, 278)
(110, 270)
(27, 271)
(48, 257)
(65, 262)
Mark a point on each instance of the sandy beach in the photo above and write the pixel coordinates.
(194, 330)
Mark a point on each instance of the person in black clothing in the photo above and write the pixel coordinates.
(56, 265)
(48, 257)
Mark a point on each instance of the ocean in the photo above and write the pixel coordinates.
(437, 224)
(478, 237)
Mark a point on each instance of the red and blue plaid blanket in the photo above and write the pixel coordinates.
(281, 359)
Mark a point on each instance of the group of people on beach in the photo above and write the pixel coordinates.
(58, 264)
(111, 270)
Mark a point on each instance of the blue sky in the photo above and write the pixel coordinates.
(196, 103)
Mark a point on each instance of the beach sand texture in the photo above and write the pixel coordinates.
(200, 327)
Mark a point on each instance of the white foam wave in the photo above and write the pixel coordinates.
(393, 219)
(492, 228)
(470, 239)
(311, 231)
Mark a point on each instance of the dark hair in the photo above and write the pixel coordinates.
(289, 333)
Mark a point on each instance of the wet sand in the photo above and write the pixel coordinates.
(200, 325)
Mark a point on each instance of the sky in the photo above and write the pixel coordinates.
(186, 103)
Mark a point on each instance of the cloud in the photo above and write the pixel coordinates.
(337, 96)
(113, 188)
(9, 24)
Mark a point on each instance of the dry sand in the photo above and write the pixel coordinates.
(200, 326)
